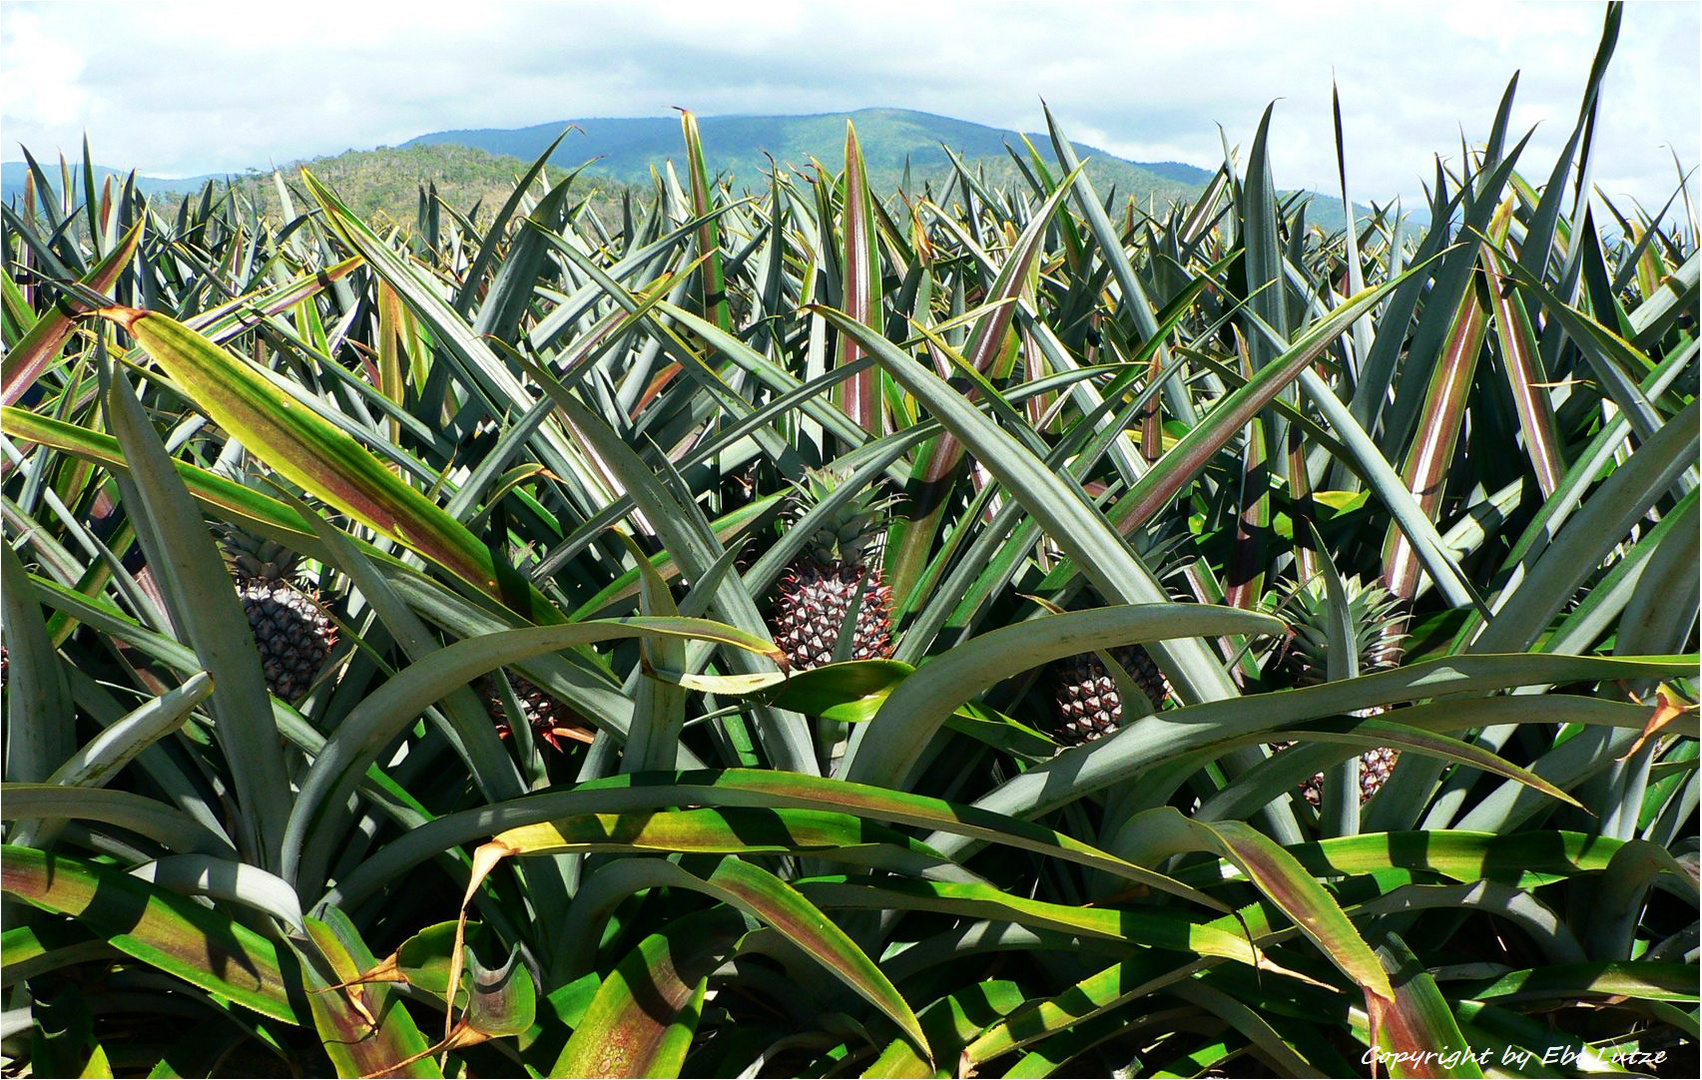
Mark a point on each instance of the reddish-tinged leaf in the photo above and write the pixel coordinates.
(1244, 585)
(1282, 880)
(1189, 457)
(171, 932)
(989, 338)
(257, 407)
(392, 331)
(1668, 707)
(861, 280)
(642, 1019)
(1418, 1035)
(1521, 362)
(38, 348)
(1438, 435)
(363, 1026)
(709, 233)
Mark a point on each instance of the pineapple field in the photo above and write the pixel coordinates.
(770, 626)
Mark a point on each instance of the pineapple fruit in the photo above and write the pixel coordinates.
(1089, 705)
(819, 588)
(549, 719)
(1376, 618)
(292, 632)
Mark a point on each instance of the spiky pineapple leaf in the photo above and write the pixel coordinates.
(202, 947)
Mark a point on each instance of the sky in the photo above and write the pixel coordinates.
(184, 88)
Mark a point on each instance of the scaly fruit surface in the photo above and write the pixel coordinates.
(1089, 705)
(292, 632)
(549, 719)
(814, 600)
(819, 589)
(293, 635)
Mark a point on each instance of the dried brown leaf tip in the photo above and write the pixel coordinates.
(1668, 707)
(127, 317)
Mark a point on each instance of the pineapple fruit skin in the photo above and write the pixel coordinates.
(817, 592)
(814, 601)
(293, 634)
(1376, 618)
(549, 719)
(1088, 703)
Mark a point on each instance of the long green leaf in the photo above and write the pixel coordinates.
(760, 894)
(40, 715)
(1061, 509)
(35, 352)
(740, 831)
(648, 1005)
(881, 751)
(1149, 742)
(708, 233)
(173, 933)
(741, 787)
(1281, 879)
(158, 821)
(204, 607)
(259, 408)
(371, 725)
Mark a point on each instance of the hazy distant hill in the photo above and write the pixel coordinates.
(381, 185)
(473, 165)
(15, 173)
(627, 149)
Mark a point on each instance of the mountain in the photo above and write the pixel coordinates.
(14, 173)
(475, 164)
(626, 149)
(379, 185)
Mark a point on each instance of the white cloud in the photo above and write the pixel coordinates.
(181, 88)
(41, 72)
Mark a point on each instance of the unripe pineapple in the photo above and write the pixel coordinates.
(1375, 617)
(1089, 706)
(550, 720)
(294, 636)
(818, 589)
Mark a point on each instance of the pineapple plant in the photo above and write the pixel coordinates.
(821, 586)
(382, 875)
(1088, 703)
(290, 628)
(1375, 616)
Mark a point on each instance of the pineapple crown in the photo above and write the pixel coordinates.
(254, 558)
(249, 556)
(1373, 613)
(847, 534)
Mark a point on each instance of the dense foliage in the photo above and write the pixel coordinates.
(1138, 548)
